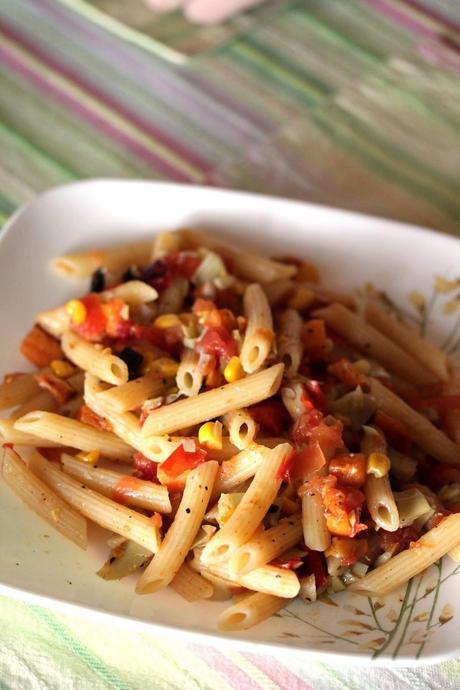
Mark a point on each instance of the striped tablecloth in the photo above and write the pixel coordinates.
(354, 103)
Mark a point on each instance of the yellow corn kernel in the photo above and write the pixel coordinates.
(234, 370)
(163, 367)
(89, 458)
(210, 435)
(167, 321)
(301, 298)
(62, 369)
(77, 310)
(378, 464)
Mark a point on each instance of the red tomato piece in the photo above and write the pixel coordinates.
(146, 468)
(349, 469)
(272, 416)
(306, 462)
(344, 370)
(218, 342)
(181, 460)
(347, 549)
(311, 428)
(316, 565)
(95, 323)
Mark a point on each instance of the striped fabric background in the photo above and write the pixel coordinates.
(354, 103)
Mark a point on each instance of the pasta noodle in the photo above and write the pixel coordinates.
(114, 259)
(99, 362)
(131, 395)
(241, 428)
(190, 585)
(259, 331)
(290, 348)
(18, 391)
(250, 611)
(180, 536)
(315, 532)
(189, 379)
(266, 547)
(214, 403)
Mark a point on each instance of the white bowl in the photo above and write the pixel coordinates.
(413, 626)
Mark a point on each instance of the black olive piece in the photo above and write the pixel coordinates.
(97, 280)
(133, 360)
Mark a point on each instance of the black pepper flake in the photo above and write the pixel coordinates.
(206, 488)
(97, 280)
(187, 510)
(132, 273)
(17, 563)
(112, 559)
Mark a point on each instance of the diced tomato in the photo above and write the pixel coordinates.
(305, 463)
(184, 263)
(145, 467)
(40, 348)
(289, 563)
(94, 326)
(220, 318)
(87, 416)
(349, 469)
(285, 467)
(8, 445)
(314, 339)
(124, 489)
(219, 343)
(158, 275)
(314, 396)
(117, 325)
(311, 427)
(59, 389)
(272, 416)
(397, 541)
(169, 339)
(347, 550)
(203, 305)
(228, 299)
(316, 565)
(344, 370)
(214, 378)
(181, 460)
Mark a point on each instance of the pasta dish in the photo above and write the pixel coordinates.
(242, 431)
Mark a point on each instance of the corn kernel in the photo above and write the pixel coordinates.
(234, 370)
(163, 367)
(89, 458)
(77, 311)
(210, 435)
(167, 321)
(62, 369)
(378, 464)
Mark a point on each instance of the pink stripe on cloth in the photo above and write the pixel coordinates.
(232, 674)
(440, 54)
(430, 12)
(102, 97)
(402, 18)
(277, 672)
(110, 131)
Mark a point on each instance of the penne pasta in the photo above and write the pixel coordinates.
(100, 509)
(290, 347)
(266, 547)
(57, 430)
(42, 500)
(214, 403)
(407, 337)
(315, 532)
(9, 434)
(190, 585)
(18, 391)
(131, 395)
(249, 513)
(99, 362)
(412, 505)
(180, 536)
(114, 259)
(172, 298)
(424, 552)
(370, 341)
(122, 488)
(259, 330)
(381, 503)
(239, 468)
(166, 242)
(241, 428)
(189, 379)
(250, 611)
(41, 401)
(418, 427)
(248, 265)
(269, 579)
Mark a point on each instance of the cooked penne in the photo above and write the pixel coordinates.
(41, 401)
(249, 513)
(131, 395)
(172, 298)
(268, 579)
(315, 532)
(180, 536)
(121, 488)
(191, 585)
(9, 434)
(241, 428)
(412, 504)
(381, 503)
(409, 563)
(290, 347)
(373, 343)
(250, 611)
(214, 403)
(43, 500)
(407, 337)
(259, 330)
(189, 379)
(100, 509)
(18, 391)
(99, 362)
(248, 265)
(266, 547)
(239, 468)
(115, 259)
(70, 432)
(166, 242)
(418, 427)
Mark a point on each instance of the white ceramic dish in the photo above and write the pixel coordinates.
(414, 626)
